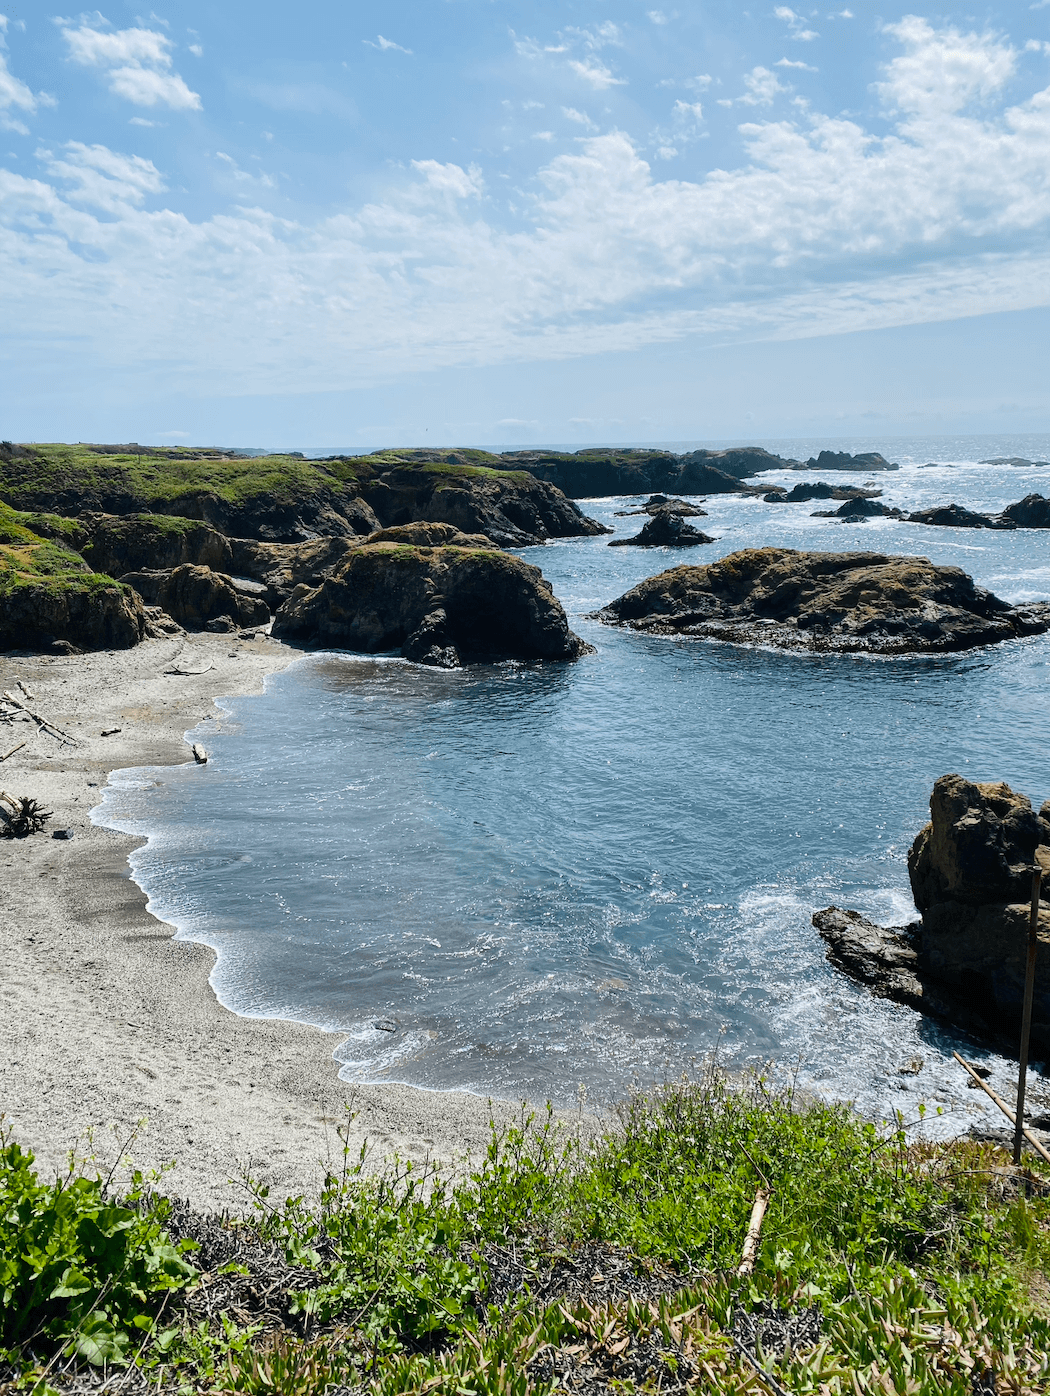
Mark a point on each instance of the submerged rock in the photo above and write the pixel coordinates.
(971, 876)
(666, 529)
(193, 596)
(866, 602)
(441, 605)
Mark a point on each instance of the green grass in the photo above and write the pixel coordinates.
(27, 560)
(926, 1262)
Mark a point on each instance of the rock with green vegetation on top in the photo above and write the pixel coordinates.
(49, 595)
(848, 602)
(454, 603)
(193, 596)
(119, 543)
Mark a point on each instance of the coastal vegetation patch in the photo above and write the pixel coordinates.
(565, 1260)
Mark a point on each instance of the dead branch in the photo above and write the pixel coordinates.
(1002, 1106)
(754, 1229)
(49, 727)
(26, 816)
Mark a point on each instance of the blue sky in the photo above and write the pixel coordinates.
(478, 220)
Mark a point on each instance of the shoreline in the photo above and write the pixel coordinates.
(108, 1019)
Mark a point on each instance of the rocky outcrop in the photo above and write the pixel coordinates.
(866, 602)
(659, 503)
(119, 543)
(439, 605)
(971, 875)
(85, 613)
(666, 529)
(857, 510)
(1031, 512)
(955, 516)
(280, 567)
(819, 489)
(597, 471)
(842, 460)
(195, 596)
(512, 508)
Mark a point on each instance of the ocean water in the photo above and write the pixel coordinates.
(519, 879)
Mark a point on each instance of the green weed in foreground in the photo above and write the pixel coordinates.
(925, 1262)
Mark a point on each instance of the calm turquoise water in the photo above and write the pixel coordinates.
(594, 873)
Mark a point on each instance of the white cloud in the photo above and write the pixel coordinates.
(243, 176)
(796, 24)
(101, 178)
(666, 152)
(794, 63)
(14, 92)
(595, 72)
(657, 16)
(825, 226)
(197, 50)
(580, 117)
(137, 63)
(452, 179)
(385, 44)
(762, 86)
(543, 135)
(142, 121)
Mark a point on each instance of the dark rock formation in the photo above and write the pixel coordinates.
(597, 471)
(818, 489)
(444, 605)
(842, 460)
(971, 877)
(857, 510)
(196, 595)
(281, 567)
(514, 509)
(84, 615)
(825, 601)
(119, 543)
(1012, 460)
(1031, 512)
(666, 529)
(659, 503)
(955, 516)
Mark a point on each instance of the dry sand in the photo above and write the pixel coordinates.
(107, 1020)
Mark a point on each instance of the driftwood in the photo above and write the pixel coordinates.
(12, 751)
(754, 1229)
(26, 690)
(199, 755)
(26, 816)
(1002, 1106)
(42, 722)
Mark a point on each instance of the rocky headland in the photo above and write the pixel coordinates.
(971, 877)
(847, 602)
(442, 598)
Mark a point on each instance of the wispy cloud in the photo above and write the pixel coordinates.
(657, 17)
(13, 91)
(608, 255)
(796, 24)
(385, 44)
(595, 72)
(795, 63)
(580, 117)
(262, 180)
(136, 62)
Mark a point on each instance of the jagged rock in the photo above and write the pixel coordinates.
(825, 601)
(971, 876)
(978, 846)
(443, 605)
(512, 508)
(819, 489)
(595, 471)
(1012, 460)
(1031, 512)
(81, 613)
(193, 596)
(955, 516)
(700, 477)
(119, 543)
(857, 510)
(737, 461)
(658, 503)
(666, 529)
(842, 460)
(281, 567)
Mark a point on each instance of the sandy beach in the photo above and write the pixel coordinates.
(108, 1020)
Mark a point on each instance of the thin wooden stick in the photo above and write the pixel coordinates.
(12, 751)
(1002, 1106)
(754, 1228)
(48, 727)
(1026, 1016)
